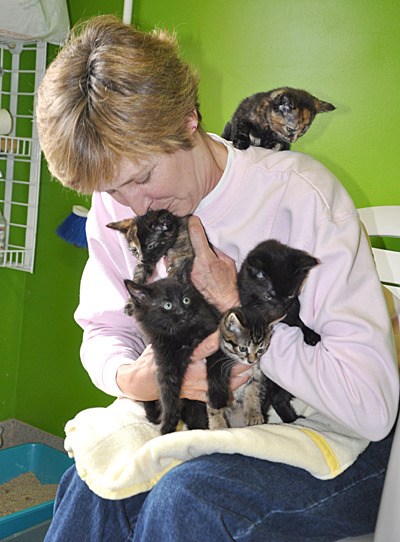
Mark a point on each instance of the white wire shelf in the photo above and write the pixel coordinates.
(15, 146)
(22, 67)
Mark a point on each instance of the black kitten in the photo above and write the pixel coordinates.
(154, 235)
(270, 280)
(175, 317)
(273, 119)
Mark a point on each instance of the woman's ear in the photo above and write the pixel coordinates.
(193, 121)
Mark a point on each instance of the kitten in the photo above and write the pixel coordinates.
(270, 279)
(245, 337)
(154, 235)
(273, 119)
(175, 317)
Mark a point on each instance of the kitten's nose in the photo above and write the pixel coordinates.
(252, 358)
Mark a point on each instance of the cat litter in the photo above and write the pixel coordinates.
(38, 468)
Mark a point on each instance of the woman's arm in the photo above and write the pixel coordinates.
(351, 375)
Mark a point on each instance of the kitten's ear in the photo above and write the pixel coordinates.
(282, 103)
(136, 291)
(256, 272)
(183, 274)
(323, 107)
(232, 322)
(304, 263)
(278, 320)
(122, 226)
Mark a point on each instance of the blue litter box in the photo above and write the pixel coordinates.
(48, 464)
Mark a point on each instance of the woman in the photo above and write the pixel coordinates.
(118, 117)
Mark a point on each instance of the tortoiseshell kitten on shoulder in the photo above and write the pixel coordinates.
(273, 119)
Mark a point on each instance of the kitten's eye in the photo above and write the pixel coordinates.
(242, 349)
(167, 305)
(261, 351)
(260, 275)
(186, 300)
(150, 246)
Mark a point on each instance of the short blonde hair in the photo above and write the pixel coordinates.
(111, 92)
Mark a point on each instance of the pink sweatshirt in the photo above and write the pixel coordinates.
(351, 375)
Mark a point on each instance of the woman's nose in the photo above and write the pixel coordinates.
(139, 203)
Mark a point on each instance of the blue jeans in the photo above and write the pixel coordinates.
(223, 497)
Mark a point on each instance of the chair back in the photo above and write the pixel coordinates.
(384, 221)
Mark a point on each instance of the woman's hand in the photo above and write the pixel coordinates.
(195, 380)
(138, 379)
(214, 273)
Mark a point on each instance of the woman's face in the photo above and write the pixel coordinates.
(177, 182)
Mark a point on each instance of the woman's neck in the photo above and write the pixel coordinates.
(216, 156)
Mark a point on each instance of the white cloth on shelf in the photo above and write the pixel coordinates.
(31, 20)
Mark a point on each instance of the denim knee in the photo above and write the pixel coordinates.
(80, 514)
(231, 497)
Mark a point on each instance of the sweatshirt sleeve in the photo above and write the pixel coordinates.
(110, 338)
(352, 374)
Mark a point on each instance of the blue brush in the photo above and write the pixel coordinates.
(73, 229)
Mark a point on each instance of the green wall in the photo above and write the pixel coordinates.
(343, 51)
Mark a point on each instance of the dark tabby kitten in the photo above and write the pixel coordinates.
(154, 235)
(270, 280)
(245, 337)
(273, 119)
(175, 317)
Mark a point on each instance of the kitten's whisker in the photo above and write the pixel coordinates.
(227, 366)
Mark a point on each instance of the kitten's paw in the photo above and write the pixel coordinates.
(278, 147)
(129, 308)
(153, 412)
(241, 143)
(311, 337)
(168, 428)
(169, 422)
(216, 418)
(254, 418)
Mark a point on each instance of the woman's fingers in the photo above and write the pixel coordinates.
(214, 273)
(199, 240)
(207, 347)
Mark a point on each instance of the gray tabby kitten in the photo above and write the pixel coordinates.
(245, 337)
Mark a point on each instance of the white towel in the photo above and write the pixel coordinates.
(119, 453)
(25, 20)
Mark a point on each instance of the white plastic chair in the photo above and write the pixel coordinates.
(385, 222)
